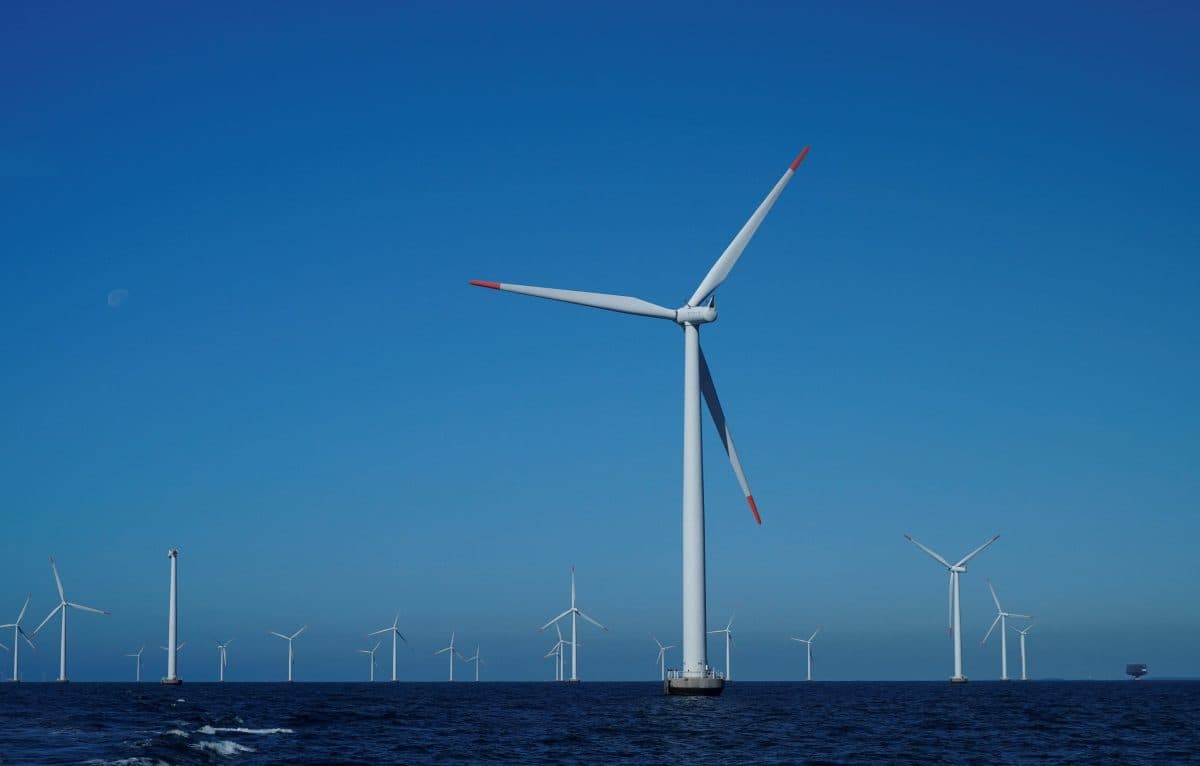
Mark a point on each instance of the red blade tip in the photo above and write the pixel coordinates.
(754, 509)
(481, 283)
(800, 157)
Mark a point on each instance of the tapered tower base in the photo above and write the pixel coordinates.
(694, 687)
(958, 679)
(172, 681)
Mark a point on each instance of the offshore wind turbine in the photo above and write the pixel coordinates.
(1022, 631)
(19, 634)
(63, 606)
(728, 631)
(222, 659)
(291, 654)
(662, 657)
(453, 652)
(172, 678)
(808, 642)
(394, 629)
(1002, 618)
(574, 611)
(371, 652)
(138, 654)
(696, 677)
(955, 615)
(476, 659)
(557, 652)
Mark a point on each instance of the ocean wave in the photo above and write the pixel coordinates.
(223, 747)
(176, 733)
(240, 730)
(126, 762)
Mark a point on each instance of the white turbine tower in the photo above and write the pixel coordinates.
(291, 654)
(172, 678)
(19, 635)
(662, 657)
(808, 642)
(728, 631)
(138, 654)
(955, 616)
(556, 651)
(371, 652)
(63, 606)
(222, 659)
(394, 629)
(1022, 632)
(476, 659)
(696, 677)
(453, 653)
(1002, 618)
(575, 612)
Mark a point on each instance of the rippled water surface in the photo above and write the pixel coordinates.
(925, 723)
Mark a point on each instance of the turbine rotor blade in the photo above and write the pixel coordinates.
(589, 619)
(53, 612)
(620, 303)
(57, 580)
(273, 633)
(995, 597)
(88, 608)
(554, 621)
(22, 614)
(297, 633)
(977, 551)
(994, 623)
(935, 556)
(709, 389)
(720, 270)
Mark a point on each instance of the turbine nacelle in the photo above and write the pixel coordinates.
(958, 568)
(696, 315)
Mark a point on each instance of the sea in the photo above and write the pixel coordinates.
(238, 724)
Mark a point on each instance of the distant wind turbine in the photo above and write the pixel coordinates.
(1002, 618)
(808, 642)
(662, 657)
(695, 676)
(556, 651)
(291, 654)
(222, 659)
(19, 635)
(955, 615)
(371, 653)
(453, 653)
(728, 631)
(476, 659)
(394, 629)
(574, 612)
(63, 606)
(1022, 631)
(178, 647)
(138, 654)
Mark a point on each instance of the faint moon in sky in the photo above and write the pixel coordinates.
(117, 297)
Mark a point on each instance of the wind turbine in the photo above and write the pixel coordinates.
(955, 615)
(291, 653)
(1022, 631)
(696, 676)
(662, 657)
(371, 652)
(223, 659)
(138, 654)
(63, 606)
(808, 642)
(728, 631)
(557, 652)
(178, 647)
(1002, 618)
(394, 629)
(453, 652)
(476, 659)
(574, 611)
(172, 678)
(19, 634)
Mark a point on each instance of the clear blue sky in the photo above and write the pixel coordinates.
(973, 311)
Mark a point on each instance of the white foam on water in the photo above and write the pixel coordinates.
(127, 762)
(222, 747)
(240, 730)
(176, 733)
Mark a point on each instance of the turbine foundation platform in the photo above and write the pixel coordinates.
(172, 681)
(694, 687)
(958, 679)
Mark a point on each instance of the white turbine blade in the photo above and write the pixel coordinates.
(995, 597)
(814, 635)
(1022, 616)
(720, 270)
(443, 651)
(377, 645)
(396, 622)
(4, 647)
(589, 619)
(554, 621)
(621, 303)
(936, 557)
(53, 612)
(180, 647)
(709, 389)
(22, 614)
(572, 586)
(977, 551)
(363, 651)
(57, 580)
(297, 633)
(25, 636)
(729, 625)
(994, 623)
(558, 630)
(402, 638)
(88, 608)
(377, 632)
(273, 633)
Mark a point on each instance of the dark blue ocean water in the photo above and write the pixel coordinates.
(819, 723)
